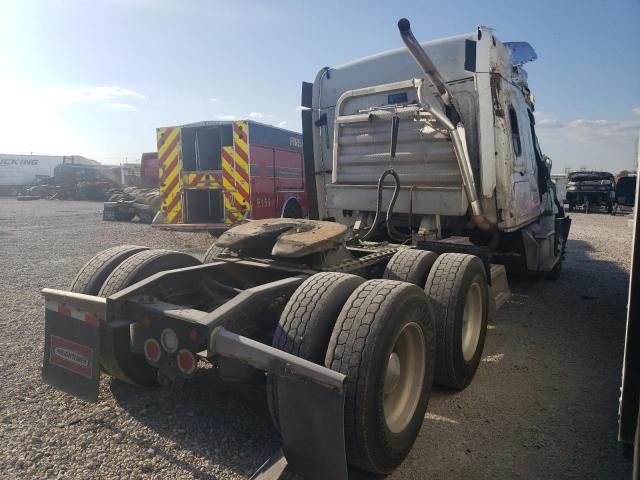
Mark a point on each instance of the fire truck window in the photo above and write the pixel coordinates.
(515, 132)
(208, 147)
(189, 155)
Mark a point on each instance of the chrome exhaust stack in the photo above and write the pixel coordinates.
(446, 113)
(422, 59)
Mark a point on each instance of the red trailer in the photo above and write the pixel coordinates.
(150, 169)
(215, 174)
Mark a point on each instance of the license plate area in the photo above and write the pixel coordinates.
(72, 350)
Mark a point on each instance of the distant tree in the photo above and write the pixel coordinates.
(623, 173)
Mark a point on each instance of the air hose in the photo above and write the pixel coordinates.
(391, 230)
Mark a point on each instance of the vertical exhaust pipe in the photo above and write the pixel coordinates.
(450, 119)
(422, 59)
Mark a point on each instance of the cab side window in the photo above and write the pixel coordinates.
(515, 132)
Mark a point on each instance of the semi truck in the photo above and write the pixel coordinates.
(425, 182)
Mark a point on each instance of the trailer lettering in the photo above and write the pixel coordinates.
(295, 142)
(18, 161)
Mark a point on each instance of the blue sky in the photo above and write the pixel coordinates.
(96, 77)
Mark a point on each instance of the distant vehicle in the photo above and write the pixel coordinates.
(18, 171)
(587, 190)
(626, 190)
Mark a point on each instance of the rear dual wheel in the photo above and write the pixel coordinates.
(306, 323)
(380, 334)
(411, 266)
(457, 288)
(384, 342)
(109, 272)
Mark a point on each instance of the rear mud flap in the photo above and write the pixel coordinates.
(310, 404)
(311, 420)
(563, 226)
(71, 350)
(312, 426)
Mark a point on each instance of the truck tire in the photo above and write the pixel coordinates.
(307, 321)
(93, 274)
(410, 266)
(457, 288)
(384, 341)
(292, 209)
(117, 359)
(215, 251)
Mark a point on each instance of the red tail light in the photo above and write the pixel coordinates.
(194, 335)
(186, 361)
(152, 350)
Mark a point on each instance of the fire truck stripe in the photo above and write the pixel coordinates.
(168, 148)
(171, 210)
(170, 168)
(170, 187)
(171, 184)
(196, 179)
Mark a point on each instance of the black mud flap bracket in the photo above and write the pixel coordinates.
(72, 342)
(310, 403)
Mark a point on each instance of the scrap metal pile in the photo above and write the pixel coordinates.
(73, 182)
(124, 204)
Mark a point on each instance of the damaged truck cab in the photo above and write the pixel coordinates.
(465, 152)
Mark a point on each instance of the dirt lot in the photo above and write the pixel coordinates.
(543, 404)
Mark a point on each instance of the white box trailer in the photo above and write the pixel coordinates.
(17, 171)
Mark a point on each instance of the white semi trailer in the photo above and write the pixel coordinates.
(425, 179)
(16, 171)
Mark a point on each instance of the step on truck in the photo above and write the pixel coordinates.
(425, 181)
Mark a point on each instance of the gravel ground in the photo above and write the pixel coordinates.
(543, 404)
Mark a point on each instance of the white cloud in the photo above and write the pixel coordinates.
(586, 130)
(583, 130)
(281, 124)
(124, 107)
(256, 115)
(636, 110)
(213, 100)
(546, 120)
(227, 117)
(98, 94)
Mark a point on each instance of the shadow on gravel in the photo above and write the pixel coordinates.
(224, 424)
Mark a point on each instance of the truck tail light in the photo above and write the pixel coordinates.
(152, 350)
(186, 361)
(169, 340)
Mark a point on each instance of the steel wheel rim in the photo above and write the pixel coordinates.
(404, 377)
(472, 320)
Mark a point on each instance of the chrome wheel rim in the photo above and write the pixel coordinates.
(404, 377)
(472, 320)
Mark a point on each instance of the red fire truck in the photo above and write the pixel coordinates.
(215, 174)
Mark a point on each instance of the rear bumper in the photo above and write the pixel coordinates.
(310, 397)
(578, 197)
